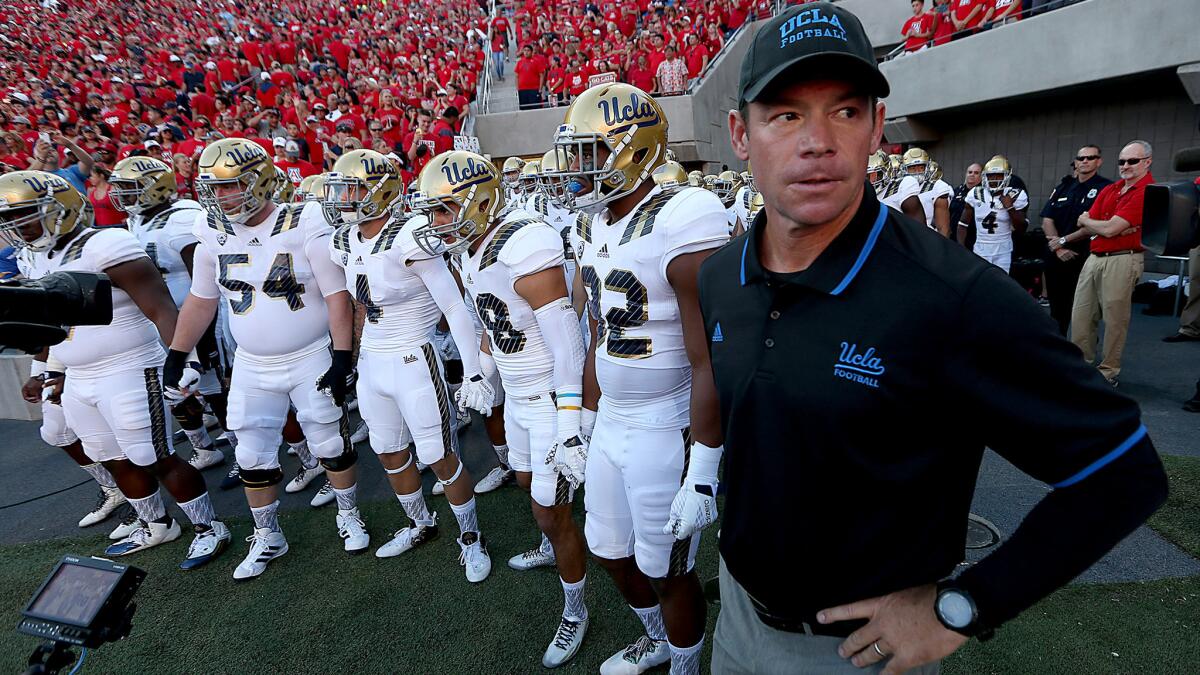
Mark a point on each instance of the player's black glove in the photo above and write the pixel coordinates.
(339, 380)
(181, 374)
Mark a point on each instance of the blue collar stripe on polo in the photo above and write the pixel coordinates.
(866, 251)
(745, 247)
(1105, 460)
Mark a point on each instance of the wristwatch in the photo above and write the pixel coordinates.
(955, 609)
(1062, 241)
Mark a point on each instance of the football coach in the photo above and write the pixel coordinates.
(840, 333)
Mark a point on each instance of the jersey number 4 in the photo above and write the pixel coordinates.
(989, 223)
(611, 329)
(280, 282)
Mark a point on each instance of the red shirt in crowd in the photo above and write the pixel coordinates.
(962, 9)
(297, 170)
(529, 72)
(1114, 200)
(695, 59)
(918, 24)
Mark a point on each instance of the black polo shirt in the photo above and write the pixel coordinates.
(1068, 201)
(845, 479)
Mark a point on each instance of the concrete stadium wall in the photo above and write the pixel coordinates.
(1041, 135)
(882, 19)
(1088, 42)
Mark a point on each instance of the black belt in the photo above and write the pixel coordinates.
(806, 624)
(1105, 254)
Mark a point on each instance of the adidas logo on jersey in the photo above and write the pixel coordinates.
(358, 261)
(717, 335)
(409, 358)
(603, 252)
(469, 279)
(254, 242)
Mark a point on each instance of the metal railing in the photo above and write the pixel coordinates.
(483, 90)
(1015, 17)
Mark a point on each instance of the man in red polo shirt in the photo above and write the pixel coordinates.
(1106, 283)
(918, 28)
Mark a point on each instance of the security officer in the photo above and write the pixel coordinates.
(1073, 196)
(840, 332)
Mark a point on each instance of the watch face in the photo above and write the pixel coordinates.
(955, 609)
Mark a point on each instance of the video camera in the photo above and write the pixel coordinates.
(36, 313)
(1170, 225)
(84, 602)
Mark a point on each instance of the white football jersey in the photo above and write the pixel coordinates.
(401, 312)
(130, 341)
(993, 224)
(892, 196)
(519, 246)
(641, 362)
(274, 276)
(164, 236)
(927, 193)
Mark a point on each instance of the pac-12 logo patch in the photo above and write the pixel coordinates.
(860, 367)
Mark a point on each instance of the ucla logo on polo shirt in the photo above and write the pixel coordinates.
(819, 24)
(860, 367)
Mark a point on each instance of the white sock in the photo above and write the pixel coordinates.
(100, 475)
(573, 607)
(465, 513)
(502, 455)
(199, 510)
(199, 438)
(267, 517)
(149, 508)
(306, 459)
(415, 508)
(347, 498)
(686, 660)
(652, 619)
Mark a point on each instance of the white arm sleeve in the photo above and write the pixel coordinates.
(331, 279)
(437, 278)
(204, 274)
(560, 330)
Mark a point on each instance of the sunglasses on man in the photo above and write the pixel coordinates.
(1131, 161)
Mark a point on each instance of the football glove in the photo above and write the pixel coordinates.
(181, 373)
(339, 380)
(695, 505)
(475, 394)
(568, 457)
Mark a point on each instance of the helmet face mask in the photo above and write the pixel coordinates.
(139, 184)
(362, 186)
(726, 186)
(618, 135)
(236, 179)
(37, 209)
(550, 180)
(461, 193)
(997, 174)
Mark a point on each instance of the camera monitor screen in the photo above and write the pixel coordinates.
(74, 594)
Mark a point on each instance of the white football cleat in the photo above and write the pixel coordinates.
(147, 536)
(422, 467)
(208, 543)
(361, 432)
(494, 480)
(291, 451)
(303, 478)
(407, 539)
(210, 421)
(109, 499)
(205, 458)
(532, 559)
(474, 557)
(324, 496)
(638, 657)
(566, 642)
(129, 523)
(438, 488)
(265, 546)
(351, 528)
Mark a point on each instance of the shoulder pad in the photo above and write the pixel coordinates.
(74, 250)
(642, 221)
(341, 238)
(492, 253)
(286, 218)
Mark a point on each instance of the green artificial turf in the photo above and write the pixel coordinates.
(1179, 519)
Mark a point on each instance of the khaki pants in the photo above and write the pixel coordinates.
(1105, 292)
(1189, 320)
(744, 645)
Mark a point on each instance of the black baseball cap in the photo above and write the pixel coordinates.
(828, 39)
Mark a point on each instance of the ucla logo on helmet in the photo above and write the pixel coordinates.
(464, 174)
(636, 111)
(142, 165)
(375, 168)
(51, 185)
(238, 156)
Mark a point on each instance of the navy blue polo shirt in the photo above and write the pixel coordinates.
(1068, 201)
(845, 478)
